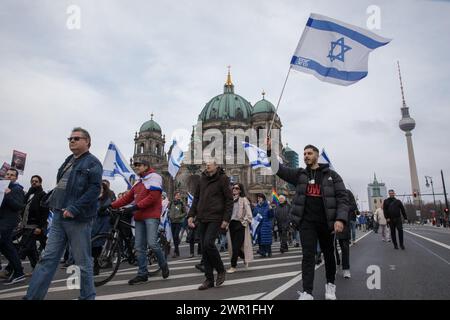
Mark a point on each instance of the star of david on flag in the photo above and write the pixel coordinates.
(334, 51)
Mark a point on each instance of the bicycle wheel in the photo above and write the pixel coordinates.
(153, 266)
(106, 260)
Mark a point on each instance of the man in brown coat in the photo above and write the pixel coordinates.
(212, 206)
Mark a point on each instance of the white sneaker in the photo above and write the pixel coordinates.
(330, 291)
(346, 274)
(305, 296)
(231, 270)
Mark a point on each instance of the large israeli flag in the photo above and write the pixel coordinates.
(175, 159)
(257, 157)
(323, 158)
(116, 164)
(334, 51)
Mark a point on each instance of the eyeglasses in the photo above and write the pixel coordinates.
(75, 138)
(237, 188)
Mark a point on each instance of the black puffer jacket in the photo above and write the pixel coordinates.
(333, 192)
(213, 199)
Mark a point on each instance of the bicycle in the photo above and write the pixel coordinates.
(109, 259)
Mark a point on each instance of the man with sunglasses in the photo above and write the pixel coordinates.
(145, 197)
(74, 203)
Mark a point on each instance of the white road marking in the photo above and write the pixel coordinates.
(296, 279)
(144, 293)
(249, 297)
(431, 240)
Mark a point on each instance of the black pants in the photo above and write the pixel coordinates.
(28, 247)
(396, 224)
(237, 235)
(8, 249)
(176, 228)
(345, 250)
(310, 233)
(284, 238)
(209, 231)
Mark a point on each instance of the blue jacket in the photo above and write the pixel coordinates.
(83, 187)
(12, 205)
(265, 226)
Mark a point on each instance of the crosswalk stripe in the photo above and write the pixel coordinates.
(249, 297)
(151, 292)
(296, 279)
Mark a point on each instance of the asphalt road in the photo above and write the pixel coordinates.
(422, 271)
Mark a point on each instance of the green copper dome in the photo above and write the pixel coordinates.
(263, 106)
(227, 106)
(150, 125)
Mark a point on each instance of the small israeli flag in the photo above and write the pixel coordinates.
(334, 51)
(254, 226)
(175, 159)
(190, 199)
(165, 223)
(116, 164)
(323, 158)
(49, 221)
(256, 156)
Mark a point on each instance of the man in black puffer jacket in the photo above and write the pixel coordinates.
(320, 207)
(212, 207)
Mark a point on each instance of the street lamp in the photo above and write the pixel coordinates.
(432, 189)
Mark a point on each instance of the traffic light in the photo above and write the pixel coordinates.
(415, 194)
(446, 210)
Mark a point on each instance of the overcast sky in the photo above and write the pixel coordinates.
(132, 58)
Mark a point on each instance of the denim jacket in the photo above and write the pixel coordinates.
(83, 187)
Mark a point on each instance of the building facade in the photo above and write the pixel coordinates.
(223, 113)
(376, 193)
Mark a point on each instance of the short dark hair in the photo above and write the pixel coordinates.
(310, 146)
(391, 190)
(85, 133)
(37, 177)
(15, 170)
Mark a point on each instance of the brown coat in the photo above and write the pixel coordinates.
(213, 200)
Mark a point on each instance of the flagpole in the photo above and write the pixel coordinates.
(278, 103)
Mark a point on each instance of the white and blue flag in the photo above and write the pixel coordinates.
(152, 182)
(49, 221)
(325, 159)
(116, 164)
(334, 51)
(190, 199)
(175, 159)
(165, 222)
(257, 157)
(254, 226)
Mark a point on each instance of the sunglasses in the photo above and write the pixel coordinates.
(75, 138)
(237, 188)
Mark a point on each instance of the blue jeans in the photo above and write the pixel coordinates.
(353, 229)
(147, 234)
(78, 235)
